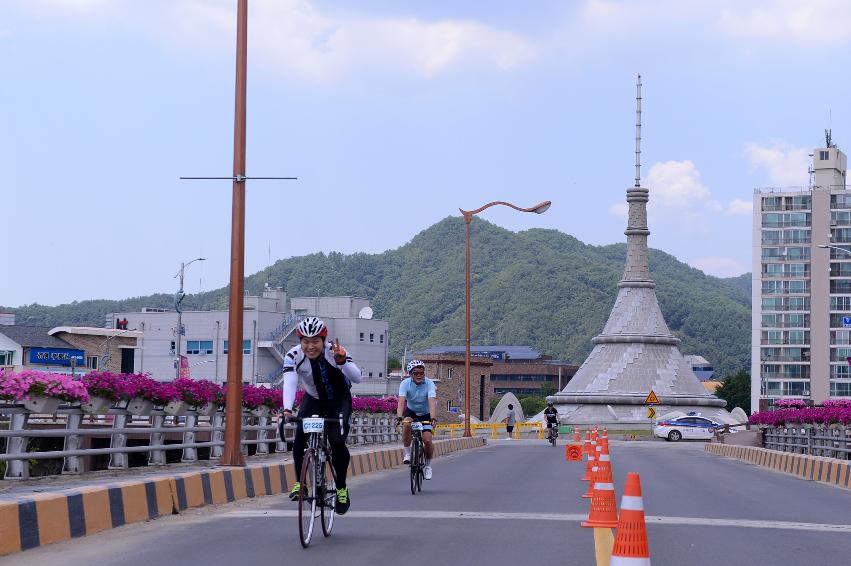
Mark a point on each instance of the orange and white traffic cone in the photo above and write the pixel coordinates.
(589, 465)
(592, 477)
(586, 449)
(576, 438)
(631, 548)
(604, 513)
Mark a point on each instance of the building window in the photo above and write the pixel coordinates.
(92, 362)
(824, 155)
(381, 374)
(449, 374)
(246, 347)
(361, 336)
(6, 357)
(371, 337)
(370, 374)
(199, 347)
(381, 338)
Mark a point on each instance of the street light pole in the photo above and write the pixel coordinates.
(468, 219)
(177, 301)
(232, 453)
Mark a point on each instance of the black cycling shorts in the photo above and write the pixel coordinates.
(419, 418)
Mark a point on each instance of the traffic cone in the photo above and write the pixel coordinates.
(631, 548)
(576, 438)
(604, 513)
(589, 464)
(587, 447)
(591, 479)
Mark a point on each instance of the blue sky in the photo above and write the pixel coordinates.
(393, 115)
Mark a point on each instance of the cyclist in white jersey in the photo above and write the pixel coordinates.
(326, 373)
(417, 401)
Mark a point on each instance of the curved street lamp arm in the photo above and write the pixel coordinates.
(468, 214)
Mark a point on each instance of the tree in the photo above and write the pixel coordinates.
(736, 390)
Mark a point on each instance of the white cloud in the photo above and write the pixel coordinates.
(675, 185)
(785, 165)
(739, 206)
(619, 209)
(677, 196)
(720, 266)
(815, 22)
(298, 38)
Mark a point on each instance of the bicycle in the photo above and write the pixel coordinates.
(318, 488)
(553, 436)
(417, 456)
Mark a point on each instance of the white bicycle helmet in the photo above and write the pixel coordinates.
(414, 364)
(310, 327)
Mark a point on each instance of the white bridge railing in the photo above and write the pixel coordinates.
(156, 434)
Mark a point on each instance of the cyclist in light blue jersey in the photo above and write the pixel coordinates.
(417, 402)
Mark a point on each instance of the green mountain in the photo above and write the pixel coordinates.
(542, 288)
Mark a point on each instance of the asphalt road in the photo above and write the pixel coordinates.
(512, 503)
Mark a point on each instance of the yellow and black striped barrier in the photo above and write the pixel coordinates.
(36, 519)
(815, 468)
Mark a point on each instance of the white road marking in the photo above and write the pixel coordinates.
(650, 519)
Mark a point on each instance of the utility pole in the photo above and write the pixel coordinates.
(232, 454)
(178, 298)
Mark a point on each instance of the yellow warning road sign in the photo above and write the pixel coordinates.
(651, 412)
(652, 399)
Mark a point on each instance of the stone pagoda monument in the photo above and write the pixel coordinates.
(635, 353)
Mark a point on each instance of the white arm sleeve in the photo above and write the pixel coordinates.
(290, 385)
(351, 371)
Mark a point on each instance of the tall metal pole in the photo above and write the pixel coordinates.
(231, 454)
(539, 208)
(179, 322)
(467, 219)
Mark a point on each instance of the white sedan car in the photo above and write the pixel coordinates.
(690, 427)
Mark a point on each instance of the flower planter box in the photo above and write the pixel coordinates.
(96, 405)
(207, 410)
(42, 405)
(175, 408)
(261, 411)
(140, 406)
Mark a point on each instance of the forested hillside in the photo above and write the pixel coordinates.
(539, 287)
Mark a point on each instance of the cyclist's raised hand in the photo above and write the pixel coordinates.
(286, 416)
(339, 352)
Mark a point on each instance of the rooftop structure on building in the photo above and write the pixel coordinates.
(269, 323)
(635, 353)
(801, 314)
(66, 349)
(497, 352)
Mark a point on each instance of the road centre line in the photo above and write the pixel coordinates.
(651, 520)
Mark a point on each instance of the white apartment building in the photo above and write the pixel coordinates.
(268, 326)
(801, 322)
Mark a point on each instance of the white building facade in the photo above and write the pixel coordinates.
(268, 331)
(801, 307)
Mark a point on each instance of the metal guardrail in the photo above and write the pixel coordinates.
(119, 425)
(830, 441)
(496, 430)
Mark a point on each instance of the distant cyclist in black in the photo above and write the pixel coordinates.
(551, 414)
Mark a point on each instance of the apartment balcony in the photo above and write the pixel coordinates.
(778, 359)
(785, 207)
(787, 342)
(789, 224)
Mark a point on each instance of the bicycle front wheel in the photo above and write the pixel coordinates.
(308, 497)
(329, 498)
(415, 461)
(420, 466)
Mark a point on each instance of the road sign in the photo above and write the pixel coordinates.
(652, 399)
(651, 412)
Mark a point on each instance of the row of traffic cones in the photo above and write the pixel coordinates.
(630, 546)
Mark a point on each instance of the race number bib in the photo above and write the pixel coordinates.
(313, 425)
(416, 425)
